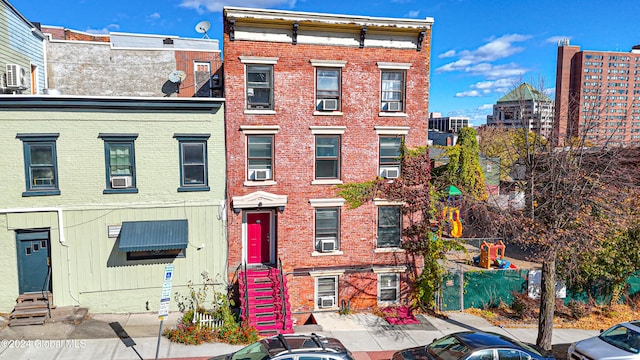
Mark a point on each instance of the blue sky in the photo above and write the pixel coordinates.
(480, 48)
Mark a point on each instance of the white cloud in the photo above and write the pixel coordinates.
(104, 30)
(497, 86)
(485, 107)
(412, 13)
(496, 71)
(495, 49)
(557, 38)
(470, 93)
(450, 53)
(155, 15)
(202, 6)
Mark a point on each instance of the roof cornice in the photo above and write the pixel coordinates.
(328, 19)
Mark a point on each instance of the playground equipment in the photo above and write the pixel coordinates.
(491, 254)
(456, 224)
(451, 212)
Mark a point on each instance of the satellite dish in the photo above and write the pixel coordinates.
(177, 76)
(202, 27)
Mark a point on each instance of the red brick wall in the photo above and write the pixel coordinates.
(184, 62)
(294, 154)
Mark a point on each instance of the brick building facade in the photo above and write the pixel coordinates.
(313, 101)
(597, 96)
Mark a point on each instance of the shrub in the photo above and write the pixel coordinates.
(524, 307)
(231, 331)
(579, 309)
(189, 333)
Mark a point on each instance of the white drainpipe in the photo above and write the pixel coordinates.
(60, 235)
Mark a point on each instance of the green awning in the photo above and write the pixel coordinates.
(153, 235)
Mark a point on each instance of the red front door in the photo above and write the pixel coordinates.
(258, 233)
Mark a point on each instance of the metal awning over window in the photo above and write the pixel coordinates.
(153, 235)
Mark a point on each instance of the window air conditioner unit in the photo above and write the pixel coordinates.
(327, 244)
(394, 106)
(121, 182)
(16, 76)
(261, 174)
(390, 172)
(329, 104)
(327, 302)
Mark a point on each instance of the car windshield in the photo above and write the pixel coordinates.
(622, 337)
(448, 348)
(255, 351)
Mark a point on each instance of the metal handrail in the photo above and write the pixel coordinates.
(282, 295)
(246, 293)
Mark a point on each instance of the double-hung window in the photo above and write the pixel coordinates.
(326, 292)
(260, 157)
(388, 287)
(260, 152)
(390, 150)
(393, 85)
(327, 228)
(119, 153)
(260, 87)
(193, 162)
(389, 226)
(328, 85)
(328, 89)
(40, 164)
(327, 156)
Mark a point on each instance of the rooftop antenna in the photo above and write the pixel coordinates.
(176, 77)
(202, 27)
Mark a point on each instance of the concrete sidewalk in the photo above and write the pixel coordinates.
(368, 336)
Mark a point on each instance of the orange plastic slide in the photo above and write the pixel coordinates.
(456, 225)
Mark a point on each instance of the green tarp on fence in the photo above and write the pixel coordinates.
(488, 288)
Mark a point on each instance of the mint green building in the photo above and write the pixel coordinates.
(98, 194)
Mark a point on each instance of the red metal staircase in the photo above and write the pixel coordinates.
(264, 300)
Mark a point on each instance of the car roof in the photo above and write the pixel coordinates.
(276, 345)
(634, 325)
(479, 339)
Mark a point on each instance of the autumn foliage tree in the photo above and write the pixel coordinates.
(463, 168)
(419, 236)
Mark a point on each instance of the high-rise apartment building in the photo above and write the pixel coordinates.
(597, 96)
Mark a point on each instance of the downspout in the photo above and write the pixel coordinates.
(60, 234)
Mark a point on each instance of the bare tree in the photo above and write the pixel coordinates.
(575, 195)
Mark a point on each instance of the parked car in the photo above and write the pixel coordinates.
(474, 345)
(621, 341)
(291, 347)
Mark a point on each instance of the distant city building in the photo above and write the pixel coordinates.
(447, 123)
(524, 107)
(597, 96)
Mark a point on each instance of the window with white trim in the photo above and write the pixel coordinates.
(389, 226)
(326, 292)
(260, 157)
(392, 92)
(260, 86)
(328, 87)
(202, 78)
(327, 229)
(389, 160)
(327, 156)
(388, 287)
